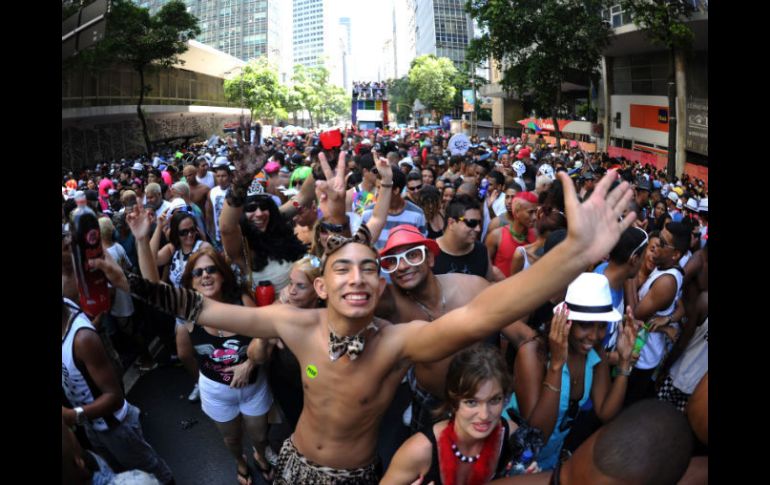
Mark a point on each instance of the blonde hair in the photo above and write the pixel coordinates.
(310, 265)
(106, 228)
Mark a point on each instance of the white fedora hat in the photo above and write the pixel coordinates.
(589, 299)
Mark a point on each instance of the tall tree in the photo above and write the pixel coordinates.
(401, 98)
(664, 23)
(433, 79)
(259, 89)
(538, 44)
(144, 41)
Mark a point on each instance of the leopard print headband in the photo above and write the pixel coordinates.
(335, 241)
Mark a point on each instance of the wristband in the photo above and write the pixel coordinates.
(386, 185)
(626, 372)
(551, 388)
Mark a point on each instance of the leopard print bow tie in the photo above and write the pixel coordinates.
(352, 345)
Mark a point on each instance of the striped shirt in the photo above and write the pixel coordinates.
(412, 214)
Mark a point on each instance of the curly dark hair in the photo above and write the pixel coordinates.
(277, 242)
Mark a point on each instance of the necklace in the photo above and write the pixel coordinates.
(519, 237)
(425, 309)
(463, 458)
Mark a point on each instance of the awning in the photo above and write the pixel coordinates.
(540, 124)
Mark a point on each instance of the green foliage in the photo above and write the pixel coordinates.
(433, 80)
(312, 91)
(258, 89)
(662, 20)
(401, 96)
(537, 44)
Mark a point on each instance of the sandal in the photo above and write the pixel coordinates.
(244, 478)
(267, 473)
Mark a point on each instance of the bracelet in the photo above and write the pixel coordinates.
(386, 185)
(554, 389)
(626, 373)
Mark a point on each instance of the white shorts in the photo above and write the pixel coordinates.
(222, 403)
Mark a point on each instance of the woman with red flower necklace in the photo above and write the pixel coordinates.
(474, 445)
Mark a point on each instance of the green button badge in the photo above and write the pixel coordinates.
(311, 371)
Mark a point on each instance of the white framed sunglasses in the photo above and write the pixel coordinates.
(413, 257)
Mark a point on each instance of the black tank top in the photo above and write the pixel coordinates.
(215, 354)
(434, 474)
(476, 262)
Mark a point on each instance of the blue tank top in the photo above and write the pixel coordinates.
(549, 455)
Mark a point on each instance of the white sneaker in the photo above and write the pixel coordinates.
(270, 456)
(195, 394)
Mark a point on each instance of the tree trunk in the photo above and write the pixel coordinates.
(555, 116)
(681, 110)
(671, 165)
(141, 114)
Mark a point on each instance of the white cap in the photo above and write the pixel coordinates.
(673, 197)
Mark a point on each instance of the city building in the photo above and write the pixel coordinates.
(634, 102)
(186, 102)
(317, 38)
(245, 29)
(444, 29)
(404, 34)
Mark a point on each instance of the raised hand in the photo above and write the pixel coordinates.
(558, 338)
(627, 337)
(140, 220)
(595, 225)
(247, 158)
(331, 191)
(384, 169)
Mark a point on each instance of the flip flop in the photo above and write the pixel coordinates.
(267, 473)
(244, 478)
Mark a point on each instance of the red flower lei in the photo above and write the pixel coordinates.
(482, 469)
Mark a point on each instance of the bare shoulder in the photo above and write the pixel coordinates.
(465, 283)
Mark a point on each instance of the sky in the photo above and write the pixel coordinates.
(369, 21)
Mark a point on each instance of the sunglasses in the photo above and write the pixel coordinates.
(198, 272)
(253, 206)
(186, 232)
(415, 188)
(472, 223)
(413, 257)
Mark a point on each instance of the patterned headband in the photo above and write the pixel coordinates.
(335, 241)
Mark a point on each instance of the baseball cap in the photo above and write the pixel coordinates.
(405, 235)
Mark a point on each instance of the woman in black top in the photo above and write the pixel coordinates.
(474, 446)
(430, 202)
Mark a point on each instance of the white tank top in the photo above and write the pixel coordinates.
(688, 370)
(526, 258)
(74, 382)
(653, 351)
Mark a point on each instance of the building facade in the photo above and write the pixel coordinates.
(246, 29)
(444, 29)
(318, 37)
(637, 78)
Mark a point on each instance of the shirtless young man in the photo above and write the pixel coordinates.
(353, 362)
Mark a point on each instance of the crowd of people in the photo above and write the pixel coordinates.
(369, 90)
(546, 307)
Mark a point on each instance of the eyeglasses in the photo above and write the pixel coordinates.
(663, 244)
(472, 223)
(414, 188)
(413, 257)
(643, 243)
(186, 232)
(198, 272)
(253, 206)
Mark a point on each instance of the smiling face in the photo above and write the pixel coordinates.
(187, 232)
(464, 233)
(477, 416)
(351, 283)
(583, 336)
(209, 285)
(406, 276)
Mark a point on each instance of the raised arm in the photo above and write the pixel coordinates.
(305, 198)
(139, 220)
(608, 396)
(594, 228)
(380, 213)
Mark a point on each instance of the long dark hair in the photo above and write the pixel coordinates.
(176, 221)
(277, 242)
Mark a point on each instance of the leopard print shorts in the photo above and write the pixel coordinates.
(294, 468)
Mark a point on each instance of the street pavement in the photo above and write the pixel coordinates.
(197, 454)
